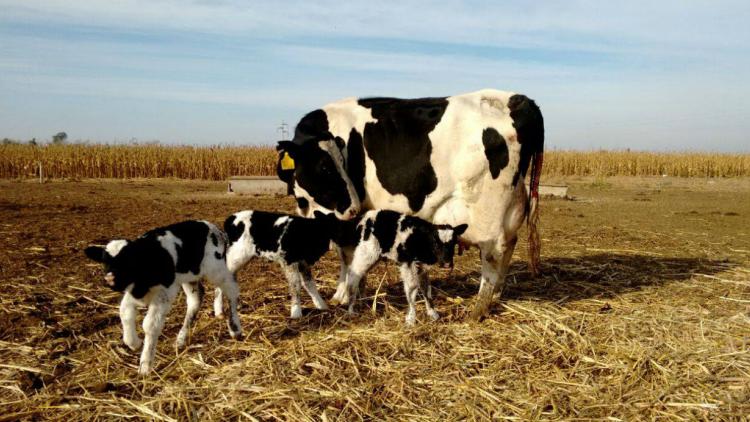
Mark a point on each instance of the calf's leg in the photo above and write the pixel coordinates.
(410, 279)
(294, 277)
(346, 255)
(311, 288)
(228, 286)
(426, 289)
(153, 323)
(128, 312)
(364, 257)
(194, 293)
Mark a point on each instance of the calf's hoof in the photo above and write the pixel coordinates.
(133, 344)
(144, 368)
(433, 315)
(296, 312)
(411, 320)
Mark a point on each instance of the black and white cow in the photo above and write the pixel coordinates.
(296, 243)
(409, 241)
(449, 160)
(150, 271)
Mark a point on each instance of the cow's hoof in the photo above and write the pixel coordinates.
(411, 320)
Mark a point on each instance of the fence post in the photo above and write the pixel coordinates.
(41, 177)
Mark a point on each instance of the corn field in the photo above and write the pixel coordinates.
(220, 162)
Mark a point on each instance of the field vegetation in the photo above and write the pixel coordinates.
(78, 161)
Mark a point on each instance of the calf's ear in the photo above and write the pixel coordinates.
(460, 229)
(96, 253)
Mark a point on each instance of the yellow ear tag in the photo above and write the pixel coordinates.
(287, 163)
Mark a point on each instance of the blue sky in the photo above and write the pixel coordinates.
(650, 75)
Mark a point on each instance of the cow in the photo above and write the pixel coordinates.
(451, 160)
(150, 271)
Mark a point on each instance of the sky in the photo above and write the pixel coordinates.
(645, 75)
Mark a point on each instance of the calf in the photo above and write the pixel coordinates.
(296, 243)
(407, 240)
(150, 271)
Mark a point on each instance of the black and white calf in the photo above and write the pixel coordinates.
(296, 243)
(150, 271)
(409, 241)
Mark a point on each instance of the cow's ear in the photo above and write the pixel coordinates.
(286, 165)
(460, 229)
(287, 146)
(96, 253)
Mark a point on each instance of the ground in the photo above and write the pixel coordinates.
(642, 311)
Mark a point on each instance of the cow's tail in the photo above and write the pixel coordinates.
(532, 218)
(529, 125)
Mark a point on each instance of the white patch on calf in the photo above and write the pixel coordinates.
(281, 220)
(170, 242)
(115, 246)
(240, 252)
(445, 235)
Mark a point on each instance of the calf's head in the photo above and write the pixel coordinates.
(315, 174)
(116, 275)
(127, 262)
(445, 238)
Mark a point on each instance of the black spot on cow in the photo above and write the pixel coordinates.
(234, 232)
(316, 173)
(399, 144)
(313, 127)
(265, 232)
(214, 240)
(529, 125)
(496, 151)
(385, 228)
(355, 162)
(217, 255)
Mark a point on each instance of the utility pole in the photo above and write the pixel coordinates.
(284, 129)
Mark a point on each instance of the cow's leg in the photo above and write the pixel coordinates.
(294, 277)
(218, 303)
(128, 313)
(309, 285)
(229, 288)
(194, 293)
(345, 255)
(495, 260)
(510, 246)
(496, 255)
(153, 323)
(426, 289)
(410, 278)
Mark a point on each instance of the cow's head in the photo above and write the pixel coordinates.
(316, 175)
